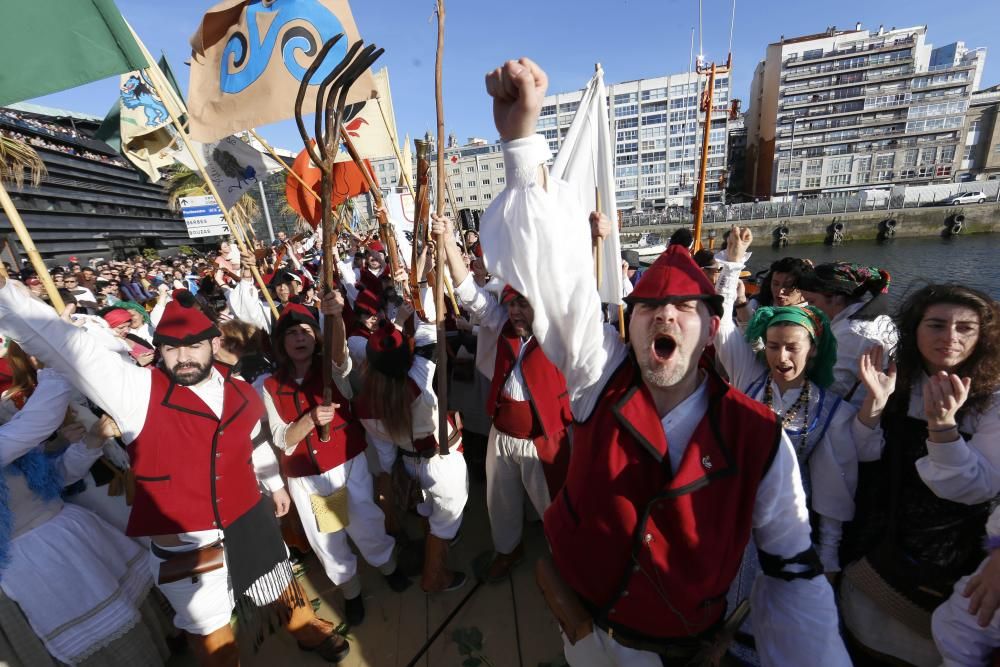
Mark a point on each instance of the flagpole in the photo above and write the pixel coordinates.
(273, 154)
(441, 356)
(267, 213)
(454, 213)
(395, 147)
(29, 247)
(160, 84)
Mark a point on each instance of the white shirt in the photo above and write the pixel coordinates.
(854, 338)
(532, 240)
(484, 307)
(121, 389)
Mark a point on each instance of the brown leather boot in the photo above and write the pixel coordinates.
(217, 649)
(437, 578)
(315, 634)
(502, 565)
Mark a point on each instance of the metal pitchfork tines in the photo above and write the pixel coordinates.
(331, 98)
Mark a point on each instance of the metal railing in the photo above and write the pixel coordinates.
(735, 213)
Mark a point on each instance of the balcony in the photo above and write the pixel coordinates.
(816, 70)
(819, 98)
(874, 47)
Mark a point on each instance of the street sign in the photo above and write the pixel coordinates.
(203, 217)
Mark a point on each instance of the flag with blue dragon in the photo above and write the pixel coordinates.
(249, 57)
(147, 138)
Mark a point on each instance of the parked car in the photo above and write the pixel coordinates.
(964, 198)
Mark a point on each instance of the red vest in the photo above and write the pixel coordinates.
(371, 282)
(548, 402)
(312, 457)
(193, 470)
(646, 547)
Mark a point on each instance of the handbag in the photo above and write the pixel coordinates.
(330, 511)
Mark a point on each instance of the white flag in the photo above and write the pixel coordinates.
(233, 165)
(399, 207)
(586, 161)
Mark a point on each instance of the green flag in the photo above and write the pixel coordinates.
(52, 45)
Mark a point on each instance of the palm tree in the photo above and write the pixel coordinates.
(16, 158)
(183, 182)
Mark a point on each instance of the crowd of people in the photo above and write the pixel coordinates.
(783, 473)
(60, 137)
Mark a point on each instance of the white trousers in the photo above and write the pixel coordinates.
(443, 480)
(599, 650)
(366, 526)
(512, 467)
(957, 634)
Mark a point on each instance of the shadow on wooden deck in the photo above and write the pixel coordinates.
(516, 627)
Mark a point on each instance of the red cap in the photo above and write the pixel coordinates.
(389, 352)
(117, 316)
(508, 294)
(376, 246)
(366, 302)
(675, 276)
(183, 323)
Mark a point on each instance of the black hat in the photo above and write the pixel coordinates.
(632, 258)
(390, 352)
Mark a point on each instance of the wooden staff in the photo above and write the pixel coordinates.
(160, 84)
(442, 352)
(29, 247)
(454, 216)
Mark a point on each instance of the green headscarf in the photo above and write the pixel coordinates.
(137, 307)
(812, 319)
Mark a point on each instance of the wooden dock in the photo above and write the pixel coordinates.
(515, 627)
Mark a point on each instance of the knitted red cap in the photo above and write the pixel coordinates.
(377, 246)
(183, 323)
(675, 276)
(117, 316)
(508, 294)
(390, 352)
(366, 303)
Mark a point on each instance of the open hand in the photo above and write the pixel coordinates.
(983, 590)
(517, 88)
(944, 394)
(880, 384)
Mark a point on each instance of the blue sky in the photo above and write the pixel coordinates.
(631, 38)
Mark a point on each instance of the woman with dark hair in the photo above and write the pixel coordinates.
(938, 473)
(328, 481)
(854, 298)
(780, 287)
(399, 409)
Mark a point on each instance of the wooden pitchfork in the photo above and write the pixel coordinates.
(331, 98)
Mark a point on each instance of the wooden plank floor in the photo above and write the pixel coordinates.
(517, 629)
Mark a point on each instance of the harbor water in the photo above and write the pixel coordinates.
(972, 260)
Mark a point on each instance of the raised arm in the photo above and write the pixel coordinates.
(734, 352)
(119, 387)
(38, 419)
(532, 241)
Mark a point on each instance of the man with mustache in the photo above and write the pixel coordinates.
(199, 454)
(671, 468)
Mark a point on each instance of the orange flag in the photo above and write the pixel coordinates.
(249, 57)
(348, 181)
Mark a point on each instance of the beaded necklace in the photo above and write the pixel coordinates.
(801, 403)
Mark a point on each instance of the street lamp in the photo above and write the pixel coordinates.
(791, 146)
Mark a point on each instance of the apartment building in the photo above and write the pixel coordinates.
(657, 126)
(846, 110)
(981, 154)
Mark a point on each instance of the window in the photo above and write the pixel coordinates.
(499, 165)
(910, 158)
(381, 167)
(885, 161)
(487, 196)
(654, 106)
(628, 135)
(458, 185)
(630, 147)
(626, 97)
(484, 167)
(548, 110)
(473, 197)
(456, 171)
(627, 110)
(812, 181)
(471, 184)
(838, 179)
(501, 180)
(654, 94)
(470, 169)
(625, 123)
(459, 199)
(486, 181)
(654, 119)
(927, 155)
(947, 154)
